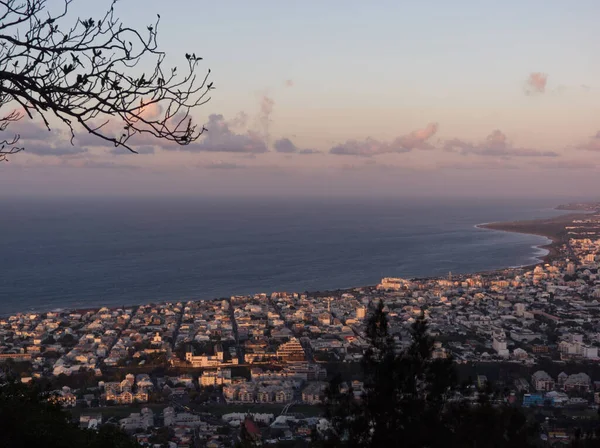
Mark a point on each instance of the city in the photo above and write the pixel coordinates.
(192, 372)
(294, 224)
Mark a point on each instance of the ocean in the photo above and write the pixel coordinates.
(82, 253)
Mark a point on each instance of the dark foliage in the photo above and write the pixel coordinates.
(29, 420)
(411, 400)
(246, 439)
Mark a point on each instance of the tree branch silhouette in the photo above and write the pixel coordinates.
(86, 75)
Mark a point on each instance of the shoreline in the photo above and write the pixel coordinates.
(550, 246)
(553, 229)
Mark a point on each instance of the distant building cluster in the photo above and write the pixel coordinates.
(274, 350)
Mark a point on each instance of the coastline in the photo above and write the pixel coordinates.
(550, 247)
(553, 229)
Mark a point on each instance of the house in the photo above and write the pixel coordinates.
(141, 420)
(313, 393)
(65, 398)
(578, 382)
(215, 377)
(542, 381)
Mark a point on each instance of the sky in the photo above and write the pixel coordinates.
(349, 98)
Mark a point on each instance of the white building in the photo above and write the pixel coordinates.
(215, 377)
(172, 418)
(542, 381)
(313, 393)
(202, 360)
(578, 381)
(499, 344)
(519, 309)
(138, 420)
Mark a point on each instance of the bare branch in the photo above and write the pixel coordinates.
(87, 72)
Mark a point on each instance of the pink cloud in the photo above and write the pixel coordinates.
(536, 83)
(418, 139)
(371, 147)
(151, 111)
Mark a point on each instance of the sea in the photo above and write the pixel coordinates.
(74, 253)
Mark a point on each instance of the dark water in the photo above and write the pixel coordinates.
(89, 252)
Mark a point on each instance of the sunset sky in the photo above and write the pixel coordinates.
(382, 98)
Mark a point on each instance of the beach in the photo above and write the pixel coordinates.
(551, 228)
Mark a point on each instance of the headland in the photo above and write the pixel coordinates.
(555, 229)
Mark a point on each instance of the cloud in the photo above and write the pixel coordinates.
(364, 148)
(220, 138)
(120, 150)
(32, 131)
(36, 139)
(478, 166)
(65, 149)
(373, 166)
(239, 121)
(418, 139)
(94, 164)
(150, 111)
(566, 165)
(536, 83)
(371, 147)
(286, 146)
(227, 166)
(112, 129)
(220, 165)
(264, 118)
(495, 145)
(289, 83)
(593, 143)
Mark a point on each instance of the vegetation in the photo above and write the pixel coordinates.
(29, 419)
(411, 397)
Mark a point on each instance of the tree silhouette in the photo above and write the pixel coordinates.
(29, 419)
(246, 439)
(410, 400)
(84, 76)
